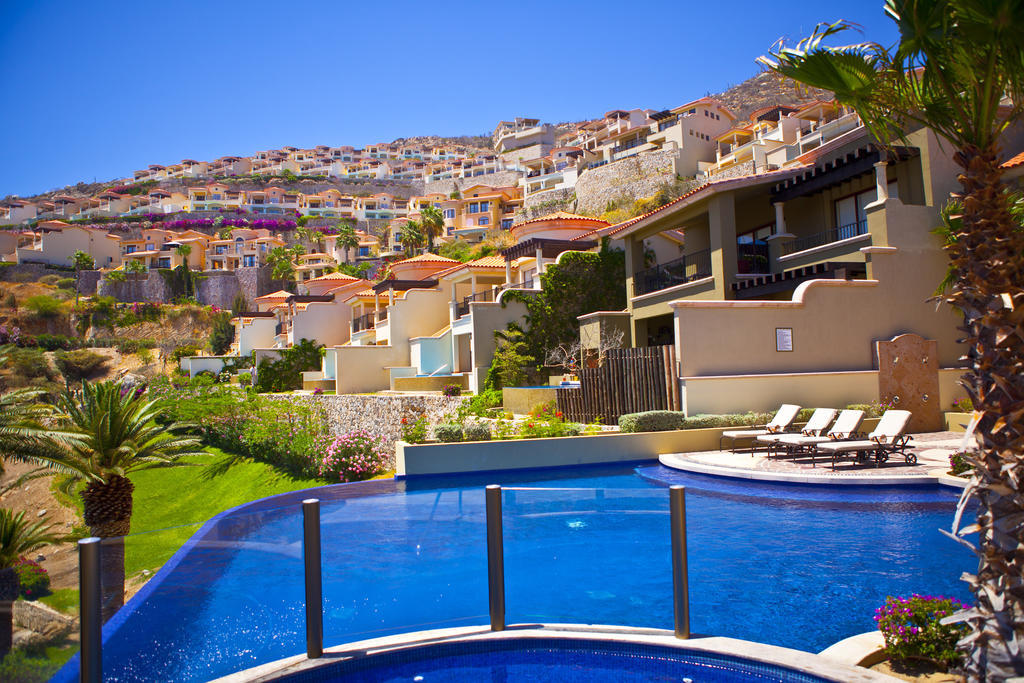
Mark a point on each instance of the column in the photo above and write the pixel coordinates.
(391, 296)
(780, 219)
(508, 271)
(540, 260)
(722, 237)
(881, 182)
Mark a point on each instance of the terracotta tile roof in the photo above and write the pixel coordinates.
(333, 276)
(279, 295)
(1013, 162)
(709, 188)
(426, 258)
(564, 215)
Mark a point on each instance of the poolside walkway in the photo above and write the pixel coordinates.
(932, 449)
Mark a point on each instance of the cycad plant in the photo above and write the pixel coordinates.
(104, 432)
(18, 536)
(958, 69)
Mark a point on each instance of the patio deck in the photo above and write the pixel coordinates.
(932, 449)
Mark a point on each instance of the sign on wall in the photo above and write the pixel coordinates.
(783, 338)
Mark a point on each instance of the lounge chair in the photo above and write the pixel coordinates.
(887, 439)
(783, 418)
(821, 418)
(845, 428)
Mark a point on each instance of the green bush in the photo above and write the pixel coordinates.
(664, 420)
(80, 364)
(56, 342)
(958, 465)
(67, 283)
(448, 433)
(285, 373)
(452, 390)
(477, 432)
(22, 666)
(912, 628)
(183, 351)
(50, 279)
(480, 404)
(43, 306)
(32, 578)
(414, 430)
(652, 421)
(30, 364)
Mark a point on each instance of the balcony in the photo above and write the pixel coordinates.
(843, 232)
(363, 322)
(751, 258)
(686, 269)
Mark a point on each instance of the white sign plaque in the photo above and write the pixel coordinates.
(783, 338)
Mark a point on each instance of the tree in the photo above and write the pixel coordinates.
(432, 221)
(282, 263)
(411, 237)
(18, 537)
(956, 63)
(184, 250)
(102, 433)
(135, 267)
(511, 357)
(222, 333)
(347, 238)
(81, 261)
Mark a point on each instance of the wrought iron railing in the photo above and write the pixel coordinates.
(462, 307)
(752, 258)
(843, 232)
(363, 322)
(686, 269)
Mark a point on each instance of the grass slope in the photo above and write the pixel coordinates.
(172, 503)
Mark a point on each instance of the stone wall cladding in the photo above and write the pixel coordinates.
(499, 179)
(88, 280)
(23, 272)
(634, 177)
(745, 168)
(152, 288)
(219, 288)
(549, 201)
(382, 415)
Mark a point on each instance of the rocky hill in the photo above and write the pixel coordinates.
(479, 142)
(765, 89)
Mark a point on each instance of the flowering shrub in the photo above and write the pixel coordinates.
(958, 465)
(414, 431)
(34, 580)
(912, 630)
(10, 335)
(452, 390)
(354, 456)
(963, 405)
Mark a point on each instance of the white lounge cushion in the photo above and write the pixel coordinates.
(744, 433)
(821, 418)
(843, 446)
(783, 418)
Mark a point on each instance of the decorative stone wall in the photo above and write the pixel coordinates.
(30, 272)
(742, 169)
(382, 414)
(499, 179)
(637, 176)
(216, 287)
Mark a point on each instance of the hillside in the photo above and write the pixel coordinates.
(763, 90)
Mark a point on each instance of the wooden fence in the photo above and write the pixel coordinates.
(628, 381)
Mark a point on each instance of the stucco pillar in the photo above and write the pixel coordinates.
(722, 224)
(780, 219)
(508, 272)
(540, 260)
(472, 283)
(881, 182)
(391, 296)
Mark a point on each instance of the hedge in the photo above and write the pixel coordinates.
(477, 432)
(664, 420)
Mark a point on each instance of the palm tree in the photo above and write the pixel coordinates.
(411, 236)
(958, 69)
(432, 221)
(347, 238)
(104, 432)
(18, 537)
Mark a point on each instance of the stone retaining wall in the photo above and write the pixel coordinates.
(548, 201)
(636, 176)
(499, 179)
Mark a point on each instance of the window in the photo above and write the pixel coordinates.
(506, 223)
(474, 207)
(484, 220)
(248, 261)
(851, 219)
(130, 249)
(485, 206)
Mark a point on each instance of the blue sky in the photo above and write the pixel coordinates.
(95, 90)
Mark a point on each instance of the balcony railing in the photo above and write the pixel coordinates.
(843, 232)
(686, 269)
(363, 322)
(462, 307)
(752, 258)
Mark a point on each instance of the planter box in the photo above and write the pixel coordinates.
(957, 422)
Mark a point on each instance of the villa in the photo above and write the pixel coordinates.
(58, 241)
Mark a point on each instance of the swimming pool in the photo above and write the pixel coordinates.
(790, 565)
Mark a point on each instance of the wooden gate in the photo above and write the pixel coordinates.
(628, 381)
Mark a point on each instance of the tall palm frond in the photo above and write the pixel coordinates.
(20, 536)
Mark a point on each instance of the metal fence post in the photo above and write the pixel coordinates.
(495, 558)
(90, 595)
(680, 580)
(314, 580)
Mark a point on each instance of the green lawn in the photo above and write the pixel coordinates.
(171, 503)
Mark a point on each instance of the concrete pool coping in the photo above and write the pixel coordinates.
(798, 660)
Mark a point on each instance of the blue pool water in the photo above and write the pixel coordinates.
(790, 565)
(549, 659)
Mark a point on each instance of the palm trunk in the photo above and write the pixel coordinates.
(9, 585)
(108, 514)
(988, 257)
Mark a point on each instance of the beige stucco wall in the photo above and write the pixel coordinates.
(59, 246)
(521, 400)
(835, 323)
(325, 322)
(361, 369)
(488, 317)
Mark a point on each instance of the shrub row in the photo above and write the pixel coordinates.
(665, 420)
(453, 432)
